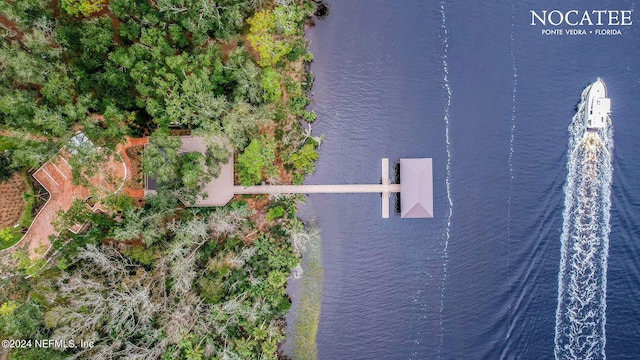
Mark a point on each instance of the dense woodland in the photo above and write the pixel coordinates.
(158, 279)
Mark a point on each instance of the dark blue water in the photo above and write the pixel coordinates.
(489, 98)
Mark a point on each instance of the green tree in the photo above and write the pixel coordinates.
(40, 40)
(49, 122)
(304, 159)
(275, 213)
(87, 44)
(36, 353)
(32, 153)
(20, 66)
(262, 27)
(86, 161)
(241, 122)
(160, 202)
(6, 168)
(195, 104)
(143, 224)
(184, 174)
(58, 90)
(9, 236)
(86, 7)
(217, 154)
(130, 30)
(270, 85)
(177, 34)
(118, 202)
(20, 321)
(96, 40)
(247, 77)
(309, 116)
(161, 157)
(132, 9)
(193, 174)
(78, 214)
(287, 19)
(257, 158)
(109, 130)
(17, 109)
(26, 12)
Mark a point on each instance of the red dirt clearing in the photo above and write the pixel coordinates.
(133, 167)
(11, 202)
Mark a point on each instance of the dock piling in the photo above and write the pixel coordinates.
(385, 193)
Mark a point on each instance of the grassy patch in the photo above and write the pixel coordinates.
(308, 315)
(27, 218)
(9, 236)
(6, 143)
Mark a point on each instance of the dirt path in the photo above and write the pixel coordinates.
(10, 26)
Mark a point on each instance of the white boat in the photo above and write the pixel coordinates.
(597, 107)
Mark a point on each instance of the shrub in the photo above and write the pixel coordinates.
(308, 56)
(9, 236)
(275, 213)
(6, 170)
(141, 254)
(119, 202)
(20, 321)
(256, 158)
(309, 116)
(297, 51)
(304, 159)
(270, 85)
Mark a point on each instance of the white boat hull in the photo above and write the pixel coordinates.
(597, 107)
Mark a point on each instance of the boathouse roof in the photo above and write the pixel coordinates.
(416, 188)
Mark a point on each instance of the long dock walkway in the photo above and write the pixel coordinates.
(316, 189)
(385, 189)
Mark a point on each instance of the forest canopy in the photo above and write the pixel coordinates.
(152, 278)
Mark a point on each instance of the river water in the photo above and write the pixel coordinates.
(489, 97)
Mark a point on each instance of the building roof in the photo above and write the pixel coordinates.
(219, 190)
(416, 188)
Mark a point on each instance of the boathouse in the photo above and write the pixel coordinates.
(416, 188)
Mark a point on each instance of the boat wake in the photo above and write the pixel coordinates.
(447, 234)
(582, 281)
(511, 151)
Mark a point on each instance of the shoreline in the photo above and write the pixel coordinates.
(307, 315)
(306, 292)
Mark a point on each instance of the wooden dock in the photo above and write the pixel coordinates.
(316, 189)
